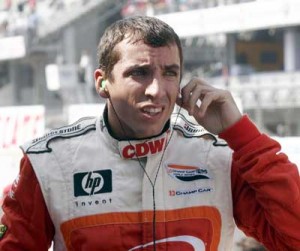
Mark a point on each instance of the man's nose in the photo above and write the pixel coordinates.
(155, 88)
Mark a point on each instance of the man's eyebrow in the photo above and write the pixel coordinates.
(172, 67)
(137, 66)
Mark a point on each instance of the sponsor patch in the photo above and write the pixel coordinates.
(91, 183)
(182, 224)
(138, 148)
(13, 188)
(40, 145)
(190, 129)
(173, 193)
(3, 230)
(187, 173)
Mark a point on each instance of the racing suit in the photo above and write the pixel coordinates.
(181, 190)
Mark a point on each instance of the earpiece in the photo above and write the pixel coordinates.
(103, 89)
(103, 84)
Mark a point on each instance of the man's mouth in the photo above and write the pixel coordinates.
(152, 111)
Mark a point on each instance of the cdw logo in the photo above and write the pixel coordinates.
(143, 149)
(95, 182)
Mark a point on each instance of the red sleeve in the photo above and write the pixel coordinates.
(265, 188)
(26, 217)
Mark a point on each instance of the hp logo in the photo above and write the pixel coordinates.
(94, 182)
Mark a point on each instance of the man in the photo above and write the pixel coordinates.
(133, 179)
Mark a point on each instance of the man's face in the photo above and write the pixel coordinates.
(144, 89)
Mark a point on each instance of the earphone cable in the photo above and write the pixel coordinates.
(145, 172)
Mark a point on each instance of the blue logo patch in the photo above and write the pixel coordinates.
(187, 173)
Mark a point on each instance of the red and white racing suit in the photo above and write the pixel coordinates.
(86, 190)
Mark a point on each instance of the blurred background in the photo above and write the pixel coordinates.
(48, 54)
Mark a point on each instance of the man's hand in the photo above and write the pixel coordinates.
(214, 109)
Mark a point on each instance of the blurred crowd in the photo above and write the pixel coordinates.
(20, 16)
(17, 17)
(157, 7)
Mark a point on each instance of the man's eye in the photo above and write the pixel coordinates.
(171, 73)
(138, 72)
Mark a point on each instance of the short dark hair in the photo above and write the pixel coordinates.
(150, 30)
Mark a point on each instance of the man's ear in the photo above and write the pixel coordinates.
(100, 83)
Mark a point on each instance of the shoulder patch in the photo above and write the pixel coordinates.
(190, 129)
(3, 229)
(40, 145)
